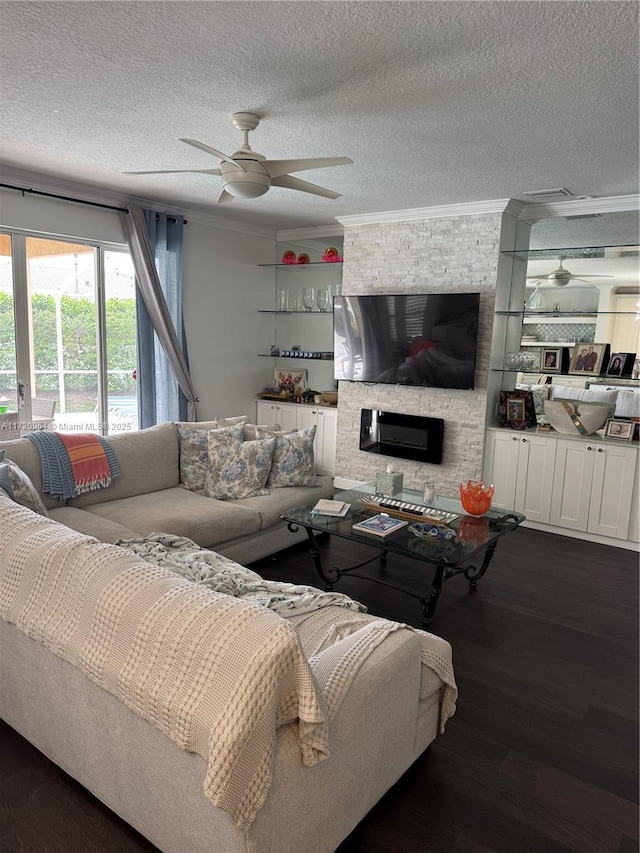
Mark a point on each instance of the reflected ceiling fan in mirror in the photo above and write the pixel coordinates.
(560, 277)
(247, 174)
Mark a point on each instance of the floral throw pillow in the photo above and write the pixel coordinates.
(294, 462)
(19, 487)
(238, 469)
(194, 453)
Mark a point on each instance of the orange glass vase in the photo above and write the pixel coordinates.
(475, 497)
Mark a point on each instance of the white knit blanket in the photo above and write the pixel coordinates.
(336, 644)
(217, 675)
(220, 574)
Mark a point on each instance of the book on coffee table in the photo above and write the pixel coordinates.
(328, 507)
(380, 525)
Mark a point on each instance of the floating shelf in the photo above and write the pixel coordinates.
(316, 357)
(282, 266)
(569, 253)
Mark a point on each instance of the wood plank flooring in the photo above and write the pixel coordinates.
(541, 756)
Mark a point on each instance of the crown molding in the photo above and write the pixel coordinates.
(312, 231)
(98, 195)
(472, 208)
(580, 207)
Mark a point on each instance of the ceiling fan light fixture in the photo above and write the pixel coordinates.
(559, 277)
(252, 188)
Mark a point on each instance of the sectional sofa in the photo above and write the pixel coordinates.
(210, 724)
(147, 497)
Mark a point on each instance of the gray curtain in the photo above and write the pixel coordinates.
(165, 392)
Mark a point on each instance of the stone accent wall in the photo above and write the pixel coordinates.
(453, 254)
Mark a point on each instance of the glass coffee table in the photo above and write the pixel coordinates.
(468, 551)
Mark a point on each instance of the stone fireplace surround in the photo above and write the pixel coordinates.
(444, 254)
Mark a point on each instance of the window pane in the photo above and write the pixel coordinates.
(62, 285)
(8, 378)
(120, 317)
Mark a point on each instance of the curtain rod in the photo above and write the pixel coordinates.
(24, 190)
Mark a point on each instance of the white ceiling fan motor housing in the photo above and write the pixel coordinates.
(251, 183)
(559, 277)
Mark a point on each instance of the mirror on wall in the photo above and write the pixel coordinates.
(595, 281)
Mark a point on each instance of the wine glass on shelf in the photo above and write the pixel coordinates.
(323, 299)
(308, 298)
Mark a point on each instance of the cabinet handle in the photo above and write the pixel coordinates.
(524, 440)
(514, 438)
(589, 447)
(599, 450)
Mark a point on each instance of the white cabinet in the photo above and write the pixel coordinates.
(593, 487)
(296, 416)
(520, 466)
(272, 413)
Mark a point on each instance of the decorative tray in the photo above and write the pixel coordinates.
(409, 512)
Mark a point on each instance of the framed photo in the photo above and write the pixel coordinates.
(551, 359)
(588, 358)
(517, 409)
(619, 429)
(620, 364)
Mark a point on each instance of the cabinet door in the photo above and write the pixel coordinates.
(308, 417)
(266, 413)
(286, 415)
(536, 459)
(571, 491)
(502, 466)
(612, 490)
(326, 442)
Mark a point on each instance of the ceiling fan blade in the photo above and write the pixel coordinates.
(214, 151)
(224, 197)
(283, 167)
(304, 186)
(177, 172)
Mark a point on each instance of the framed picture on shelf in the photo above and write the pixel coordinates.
(551, 359)
(619, 429)
(620, 364)
(588, 358)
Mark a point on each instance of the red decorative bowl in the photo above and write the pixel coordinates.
(304, 258)
(289, 257)
(475, 497)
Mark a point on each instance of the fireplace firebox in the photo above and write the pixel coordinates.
(402, 436)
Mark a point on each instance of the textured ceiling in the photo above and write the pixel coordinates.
(435, 102)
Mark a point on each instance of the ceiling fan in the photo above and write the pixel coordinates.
(247, 174)
(561, 276)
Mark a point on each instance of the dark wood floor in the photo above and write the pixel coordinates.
(541, 756)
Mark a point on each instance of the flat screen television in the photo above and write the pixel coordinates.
(427, 339)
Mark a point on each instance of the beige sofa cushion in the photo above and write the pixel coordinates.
(24, 454)
(205, 520)
(91, 524)
(148, 462)
(270, 507)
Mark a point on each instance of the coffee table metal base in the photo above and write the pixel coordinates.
(428, 602)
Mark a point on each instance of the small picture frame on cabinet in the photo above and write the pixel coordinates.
(619, 429)
(517, 409)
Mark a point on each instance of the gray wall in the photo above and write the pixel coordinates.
(453, 254)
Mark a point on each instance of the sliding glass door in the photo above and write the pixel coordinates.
(67, 334)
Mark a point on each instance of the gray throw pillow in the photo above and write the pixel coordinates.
(294, 461)
(238, 469)
(194, 453)
(17, 485)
